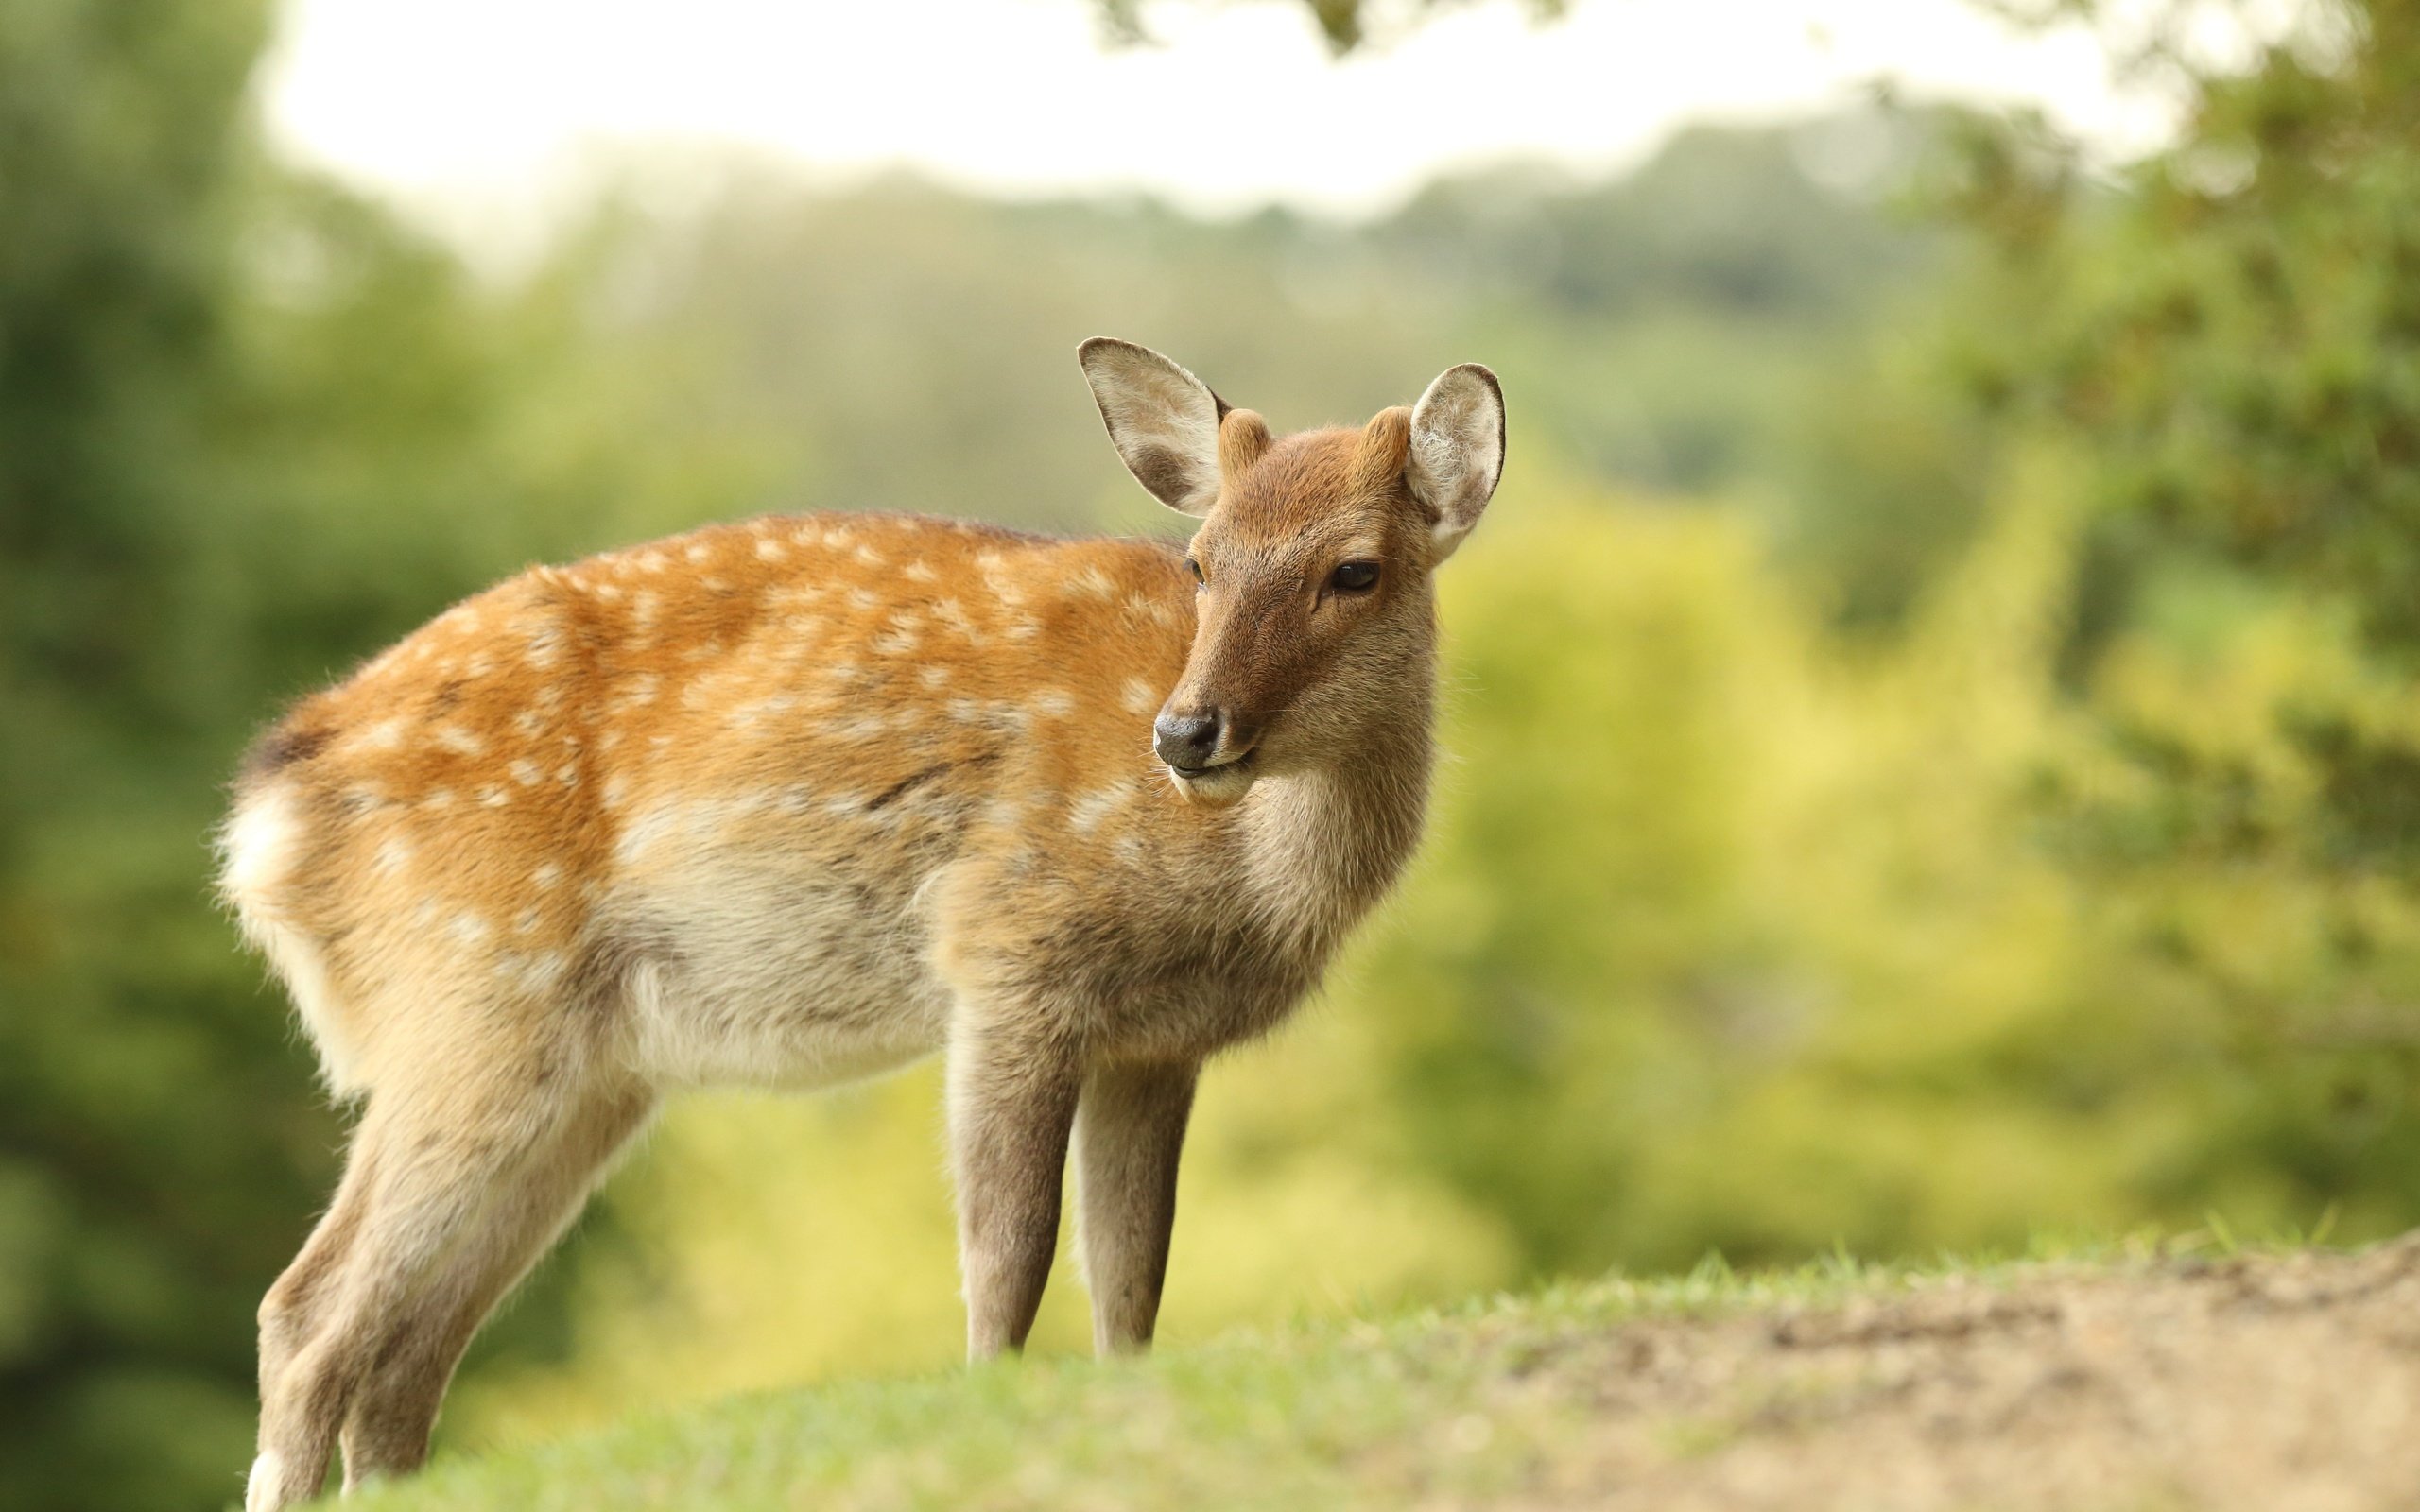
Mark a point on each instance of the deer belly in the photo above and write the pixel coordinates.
(800, 986)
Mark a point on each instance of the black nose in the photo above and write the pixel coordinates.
(1188, 738)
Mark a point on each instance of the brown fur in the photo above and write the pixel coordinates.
(793, 800)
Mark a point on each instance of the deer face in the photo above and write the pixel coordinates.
(1311, 564)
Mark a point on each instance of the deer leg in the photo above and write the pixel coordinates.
(1011, 1102)
(1130, 1129)
(291, 1312)
(429, 1162)
(386, 1431)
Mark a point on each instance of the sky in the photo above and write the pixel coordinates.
(485, 111)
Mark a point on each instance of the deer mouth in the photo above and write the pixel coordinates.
(1217, 785)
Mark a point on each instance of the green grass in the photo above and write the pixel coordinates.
(1348, 1414)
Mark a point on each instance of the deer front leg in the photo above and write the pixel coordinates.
(1011, 1102)
(1130, 1130)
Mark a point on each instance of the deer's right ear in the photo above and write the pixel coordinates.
(1162, 420)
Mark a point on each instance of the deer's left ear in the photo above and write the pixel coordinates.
(1162, 420)
(1457, 451)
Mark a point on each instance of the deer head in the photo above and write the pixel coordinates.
(1315, 625)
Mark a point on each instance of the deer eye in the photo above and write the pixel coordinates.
(1195, 568)
(1355, 577)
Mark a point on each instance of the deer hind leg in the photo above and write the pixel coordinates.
(387, 1430)
(455, 1179)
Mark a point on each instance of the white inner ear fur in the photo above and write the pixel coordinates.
(1162, 420)
(1457, 451)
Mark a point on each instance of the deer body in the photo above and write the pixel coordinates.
(801, 799)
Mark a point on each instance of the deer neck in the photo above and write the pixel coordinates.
(1324, 840)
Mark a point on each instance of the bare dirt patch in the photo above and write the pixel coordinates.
(2277, 1383)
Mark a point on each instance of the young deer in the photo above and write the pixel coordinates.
(800, 800)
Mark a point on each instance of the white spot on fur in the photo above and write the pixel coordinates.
(1086, 813)
(546, 876)
(535, 972)
(1138, 696)
(921, 571)
(932, 676)
(495, 797)
(460, 741)
(1091, 583)
(894, 642)
(769, 549)
(544, 647)
(643, 832)
(953, 613)
(523, 772)
(385, 735)
(1053, 703)
(394, 853)
(698, 552)
(860, 727)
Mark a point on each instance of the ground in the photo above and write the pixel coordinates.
(2135, 1383)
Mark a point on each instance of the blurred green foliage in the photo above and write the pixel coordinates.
(1934, 749)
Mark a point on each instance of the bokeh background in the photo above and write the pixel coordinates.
(1935, 753)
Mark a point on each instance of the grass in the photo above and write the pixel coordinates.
(1420, 1408)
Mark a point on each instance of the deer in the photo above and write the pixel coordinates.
(793, 801)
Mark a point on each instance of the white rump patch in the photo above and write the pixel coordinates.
(262, 846)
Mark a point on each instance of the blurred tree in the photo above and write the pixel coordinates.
(249, 430)
(142, 1189)
(2230, 332)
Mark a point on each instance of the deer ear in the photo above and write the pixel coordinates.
(1162, 420)
(1457, 451)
